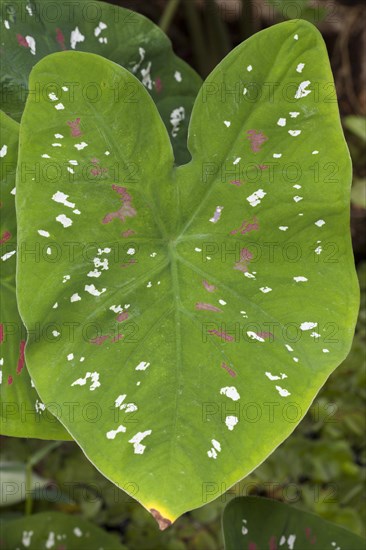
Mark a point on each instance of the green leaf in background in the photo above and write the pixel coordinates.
(55, 530)
(22, 412)
(356, 125)
(358, 192)
(195, 350)
(31, 30)
(252, 523)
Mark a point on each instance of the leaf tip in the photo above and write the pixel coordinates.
(163, 523)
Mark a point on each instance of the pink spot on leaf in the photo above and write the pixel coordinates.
(265, 334)
(221, 334)
(122, 316)
(1, 333)
(129, 263)
(97, 170)
(21, 359)
(263, 167)
(208, 307)
(123, 192)
(10, 380)
(5, 237)
(75, 127)
(272, 543)
(246, 227)
(256, 140)
(128, 233)
(228, 369)
(252, 546)
(60, 38)
(99, 340)
(245, 257)
(117, 338)
(126, 210)
(208, 286)
(311, 539)
(238, 183)
(22, 41)
(158, 85)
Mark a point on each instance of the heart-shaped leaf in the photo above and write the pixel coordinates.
(210, 302)
(257, 523)
(55, 530)
(31, 30)
(22, 412)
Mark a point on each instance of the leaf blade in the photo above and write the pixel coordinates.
(208, 351)
(244, 527)
(22, 412)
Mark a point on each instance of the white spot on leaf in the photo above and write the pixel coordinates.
(231, 392)
(76, 37)
(282, 391)
(275, 377)
(231, 422)
(302, 91)
(64, 220)
(253, 336)
(94, 376)
(308, 325)
(255, 198)
(112, 433)
(94, 291)
(8, 255)
(62, 199)
(136, 441)
(265, 289)
(80, 146)
(142, 366)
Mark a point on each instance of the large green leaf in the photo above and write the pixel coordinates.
(252, 523)
(55, 530)
(22, 412)
(200, 351)
(31, 30)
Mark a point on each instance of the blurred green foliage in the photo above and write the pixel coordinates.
(355, 127)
